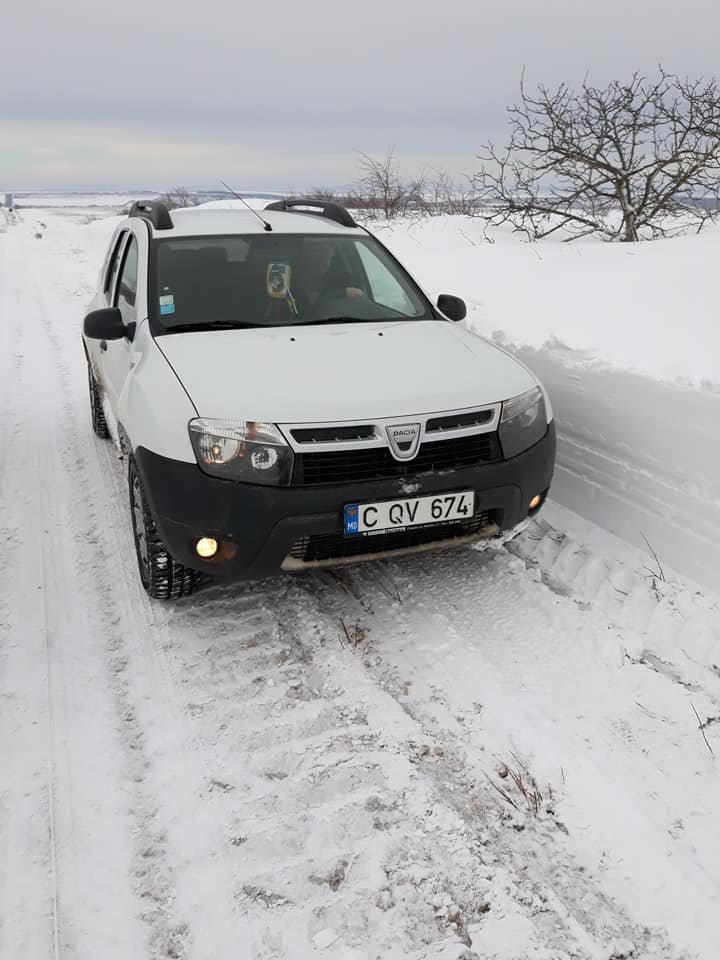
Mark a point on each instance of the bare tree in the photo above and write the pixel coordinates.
(178, 197)
(444, 194)
(381, 187)
(631, 161)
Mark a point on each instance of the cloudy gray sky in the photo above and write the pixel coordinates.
(277, 94)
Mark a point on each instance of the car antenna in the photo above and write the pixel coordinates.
(264, 222)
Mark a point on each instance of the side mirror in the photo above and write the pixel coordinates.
(453, 307)
(104, 324)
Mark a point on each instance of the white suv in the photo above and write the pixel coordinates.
(287, 397)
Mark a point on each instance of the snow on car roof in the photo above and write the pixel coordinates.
(199, 221)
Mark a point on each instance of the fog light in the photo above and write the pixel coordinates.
(536, 501)
(206, 547)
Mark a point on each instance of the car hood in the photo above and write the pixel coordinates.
(341, 371)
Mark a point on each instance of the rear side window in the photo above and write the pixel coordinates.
(127, 287)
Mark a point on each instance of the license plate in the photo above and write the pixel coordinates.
(369, 518)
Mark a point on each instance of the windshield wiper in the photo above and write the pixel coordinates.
(211, 325)
(310, 323)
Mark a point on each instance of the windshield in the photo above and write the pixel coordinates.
(278, 280)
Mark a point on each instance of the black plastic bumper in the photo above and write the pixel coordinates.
(257, 526)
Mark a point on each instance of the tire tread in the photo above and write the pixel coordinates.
(167, 579)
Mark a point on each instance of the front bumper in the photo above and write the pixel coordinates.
(258, 526)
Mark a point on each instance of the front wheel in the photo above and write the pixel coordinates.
(162, 577)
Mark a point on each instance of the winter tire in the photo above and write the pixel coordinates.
(162, 577)
(97, 414)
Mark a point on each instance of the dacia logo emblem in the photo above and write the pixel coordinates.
(404, 440)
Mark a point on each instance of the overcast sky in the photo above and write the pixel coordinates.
(277, 94)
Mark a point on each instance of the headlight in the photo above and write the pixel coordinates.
(242, 450)
(523, 422)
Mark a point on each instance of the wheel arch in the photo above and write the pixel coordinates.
(154, 409)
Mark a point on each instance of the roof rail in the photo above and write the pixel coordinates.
(153, 210)
(322, 208)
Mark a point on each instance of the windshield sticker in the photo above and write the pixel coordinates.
(167, 304)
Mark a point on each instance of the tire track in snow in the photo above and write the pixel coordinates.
(180, 864)
(287, 754)
(28, 907)
(181, 780)
(565, 902)
(62, 692)
(95, 828)
(524, 677)
(317, 796)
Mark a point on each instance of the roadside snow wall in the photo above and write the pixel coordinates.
(626, 338)
(640, 458)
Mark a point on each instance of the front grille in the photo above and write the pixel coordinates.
(458, 421)
(336, 546)
(377, 463)
(333, 434)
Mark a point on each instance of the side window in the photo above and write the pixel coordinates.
(114, 263)
(126, 293)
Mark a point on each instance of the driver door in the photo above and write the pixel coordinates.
(117, 355)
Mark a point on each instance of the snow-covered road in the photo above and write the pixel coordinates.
(491, 753)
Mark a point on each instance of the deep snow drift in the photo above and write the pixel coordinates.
(488, 753)
(626, 338)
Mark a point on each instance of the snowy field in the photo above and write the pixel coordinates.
(503, 753)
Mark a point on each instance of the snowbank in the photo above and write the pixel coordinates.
(627, 341)
(647, 307)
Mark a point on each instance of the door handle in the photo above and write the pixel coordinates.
(103, 345)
